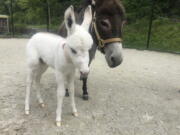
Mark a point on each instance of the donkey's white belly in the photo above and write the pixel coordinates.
(44, 45)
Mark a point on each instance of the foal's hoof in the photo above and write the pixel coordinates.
(75, 114)
(58, 123)
(42, 105)
(27, 112)
(85, 97)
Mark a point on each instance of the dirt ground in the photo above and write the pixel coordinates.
(140, 97)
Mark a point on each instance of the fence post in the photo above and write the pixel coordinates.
(12, 19)
(150, 24)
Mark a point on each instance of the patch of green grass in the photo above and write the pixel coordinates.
(165, 35)
(135, 34)
(43, 26)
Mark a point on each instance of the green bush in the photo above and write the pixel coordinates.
(20, 28)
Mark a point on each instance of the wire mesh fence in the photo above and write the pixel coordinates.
(164, 35)
(158, 31)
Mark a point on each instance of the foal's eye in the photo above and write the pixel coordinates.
(73, 51)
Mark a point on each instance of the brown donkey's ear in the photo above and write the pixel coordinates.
(93, 2)
(90, 2)
(69, 18)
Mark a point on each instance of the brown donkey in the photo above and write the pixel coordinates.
(106, 30)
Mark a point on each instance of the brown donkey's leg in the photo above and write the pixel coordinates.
(67, 93)
(84, 88)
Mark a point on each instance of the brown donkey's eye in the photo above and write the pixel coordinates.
(104, 23)
(73, 51)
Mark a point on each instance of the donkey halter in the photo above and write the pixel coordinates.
(102, 42)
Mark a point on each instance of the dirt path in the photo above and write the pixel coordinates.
(140, 97)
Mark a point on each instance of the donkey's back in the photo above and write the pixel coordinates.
(47, 41)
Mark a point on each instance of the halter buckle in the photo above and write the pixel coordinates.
(101, 43)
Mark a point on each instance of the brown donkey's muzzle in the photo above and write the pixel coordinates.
(113, 54)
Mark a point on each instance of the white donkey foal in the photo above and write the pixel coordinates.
(64, 55)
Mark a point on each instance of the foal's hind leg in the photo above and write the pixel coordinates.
(39, 71)
(29, 82)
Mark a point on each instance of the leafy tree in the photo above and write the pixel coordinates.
(35, 11)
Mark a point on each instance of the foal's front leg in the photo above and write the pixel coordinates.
(71, 90)
(60, 96)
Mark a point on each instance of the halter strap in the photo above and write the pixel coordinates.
(63, 45)
(102, 42)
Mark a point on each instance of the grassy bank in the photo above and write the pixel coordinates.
(165, 35)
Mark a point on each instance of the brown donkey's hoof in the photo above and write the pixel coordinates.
(85, 97)
(67, 93)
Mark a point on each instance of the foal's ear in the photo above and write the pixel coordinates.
(69, 18)
(87, 18)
